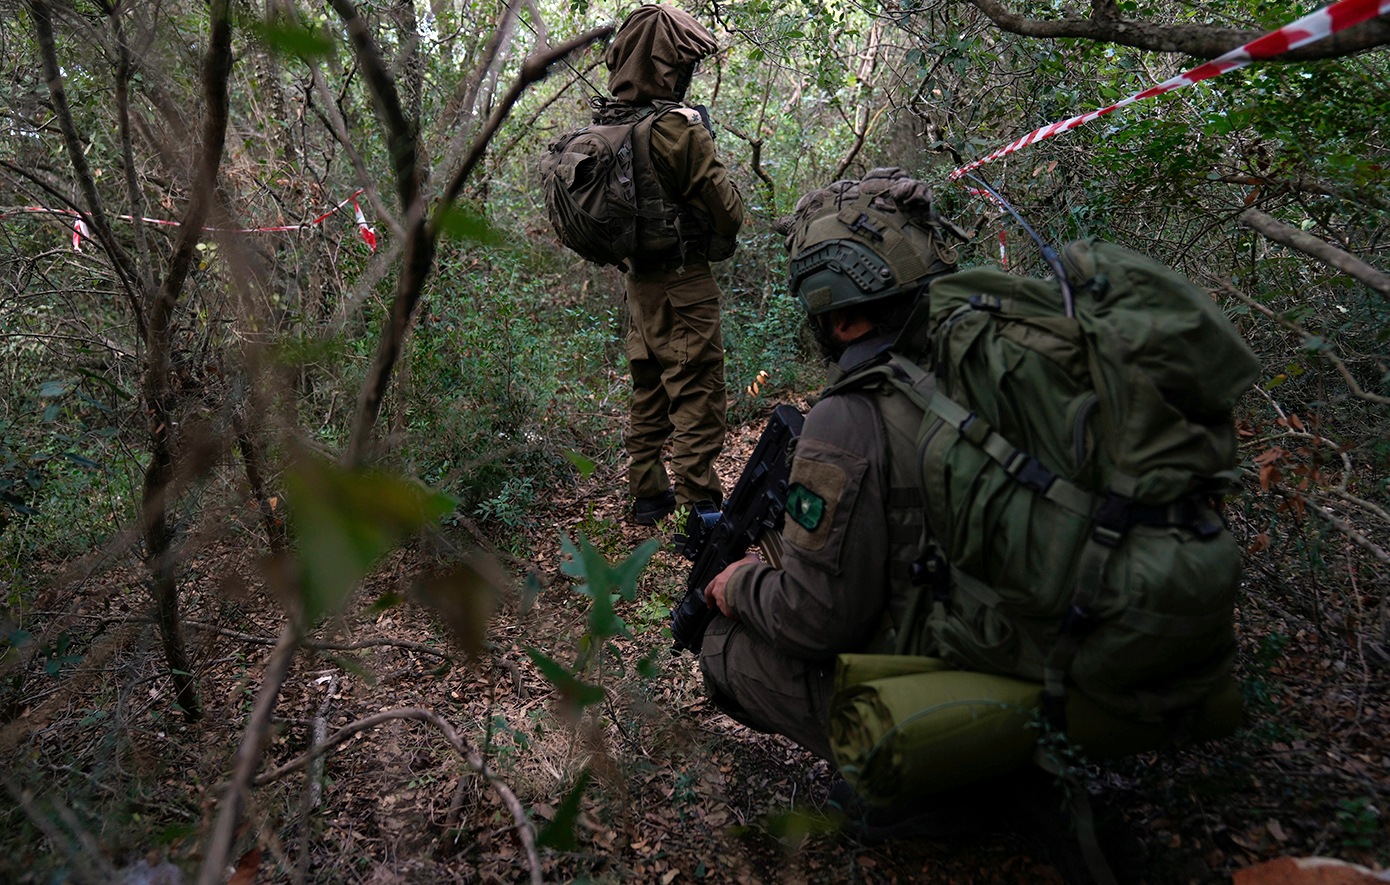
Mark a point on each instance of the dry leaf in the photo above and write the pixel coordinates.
(247, 868)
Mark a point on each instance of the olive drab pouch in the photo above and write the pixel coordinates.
(1069, 466)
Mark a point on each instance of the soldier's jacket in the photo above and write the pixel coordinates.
(854, 521)
(685, 163)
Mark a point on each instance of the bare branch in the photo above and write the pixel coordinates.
(504, 792)
(757, 160)
(339, 128)
(248, 757)
(95, 214)
(324, 646)
(1308, 244)
(1328, 355)
(1199, 41)
(400, 135)
(534, 69)
(421, 237)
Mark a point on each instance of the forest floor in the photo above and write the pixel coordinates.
(679, 792)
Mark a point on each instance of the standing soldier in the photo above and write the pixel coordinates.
(689, 214)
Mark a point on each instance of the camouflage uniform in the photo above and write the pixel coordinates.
(844, 584)
(840, 588)
(674, 346)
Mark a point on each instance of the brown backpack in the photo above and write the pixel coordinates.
(605, 201)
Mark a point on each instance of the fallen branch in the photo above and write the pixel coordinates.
(1328, 355)
(1341, 525)
(504, 792)
(1322, 250)
(248, 757)
(324, 646)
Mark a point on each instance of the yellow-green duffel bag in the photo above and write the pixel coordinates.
(903, 726)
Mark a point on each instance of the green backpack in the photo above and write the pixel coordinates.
(1069, 467)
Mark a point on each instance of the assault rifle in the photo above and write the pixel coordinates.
(752, 515)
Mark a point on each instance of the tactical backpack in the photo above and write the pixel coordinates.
(605, 201)
(1068, 469)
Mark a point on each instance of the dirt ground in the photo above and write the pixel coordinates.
(678, 792)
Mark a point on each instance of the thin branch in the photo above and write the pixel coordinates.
(533, 70)
(1294, 238)
(400, 135)
(757, 161)
(1328, 355)
(422, 237)
(525, 128)
(339, 129)
(1345, 528)
(1200, 41)
(95, 213)
(504, 792)
(248, 757)
(323, 646)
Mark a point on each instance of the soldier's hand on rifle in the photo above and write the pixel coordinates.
(714, 593)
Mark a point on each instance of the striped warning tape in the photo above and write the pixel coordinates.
(1314, 26)
(80, 231)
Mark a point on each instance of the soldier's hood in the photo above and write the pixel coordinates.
(653, 44)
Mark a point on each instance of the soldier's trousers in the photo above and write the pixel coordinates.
(766, 690)
(676, 354)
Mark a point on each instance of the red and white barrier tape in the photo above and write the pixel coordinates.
(1003, 255)
(1314, 26)
(80, 231)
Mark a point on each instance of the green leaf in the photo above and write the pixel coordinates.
(292, 38)
(577, 694)
(530, 592)
(590, 567)
(647, 666)
(584, 465)
(55, 388)
(389, 599)
(559, 834)
(464, 595)
(81, 461)
(345, 519)
(460, 223)
(626, 574)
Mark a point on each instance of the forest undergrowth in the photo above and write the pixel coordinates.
(670, 789)
(315, 565)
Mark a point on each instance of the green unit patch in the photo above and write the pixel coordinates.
(805, 507)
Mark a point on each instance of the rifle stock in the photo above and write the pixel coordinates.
(752, 515)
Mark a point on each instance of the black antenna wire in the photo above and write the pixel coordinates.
(598, 94)
(1048, 253)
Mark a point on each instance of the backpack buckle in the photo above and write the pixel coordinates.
(1111, 521)
(1078, 621)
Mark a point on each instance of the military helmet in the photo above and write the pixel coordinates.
(860, 241)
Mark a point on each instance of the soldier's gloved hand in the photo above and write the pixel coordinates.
(714, 593)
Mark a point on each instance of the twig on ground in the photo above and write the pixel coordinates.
(248, 756)
(91, 865)
(504, 792)
(325, 646)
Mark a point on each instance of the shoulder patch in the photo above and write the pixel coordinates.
(805, 507)
(691, 115)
